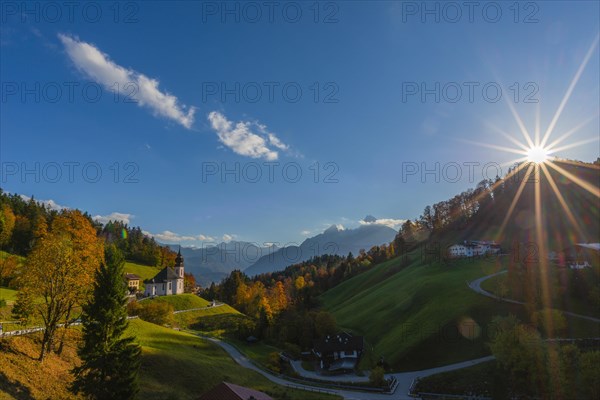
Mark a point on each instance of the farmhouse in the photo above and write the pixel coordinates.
(133, 282)
(168, 281)
(577, 256)
(229, 391)
(473, 248)
(339, 353)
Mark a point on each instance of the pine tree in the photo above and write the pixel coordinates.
(110, 362)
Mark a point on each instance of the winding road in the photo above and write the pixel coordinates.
(404, 379)
(476, 286)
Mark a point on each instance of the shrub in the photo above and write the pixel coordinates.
(159, 313)
(274, 362)
(377, 377)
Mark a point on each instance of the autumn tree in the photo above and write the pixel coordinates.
(59, 272)
(278, 298)
(520, 351)
(189, 282)
(8, 269)
(7, 224)
(88, 253)
(110, 362)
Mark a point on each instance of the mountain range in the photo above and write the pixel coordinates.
(334, 240)
(213, 263)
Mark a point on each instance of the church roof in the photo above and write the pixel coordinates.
(229, 391)
(166, 274)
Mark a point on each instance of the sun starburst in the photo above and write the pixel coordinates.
(536, 151)
(537, 154)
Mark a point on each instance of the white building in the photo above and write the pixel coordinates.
(473, 248)
(168, 281)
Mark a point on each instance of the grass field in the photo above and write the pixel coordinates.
(175, 365)
(4, 254)
(193, 318)
(182, 301)
(425, 315)
(8, 294)
(565, 301)
(178, 365)
(143, 271)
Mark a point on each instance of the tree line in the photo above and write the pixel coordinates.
(24, 220)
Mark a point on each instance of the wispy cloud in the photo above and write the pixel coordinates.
(172, 237)
(246, 138)
(99, 67)
(115, 216)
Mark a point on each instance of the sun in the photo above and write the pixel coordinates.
(537, 154)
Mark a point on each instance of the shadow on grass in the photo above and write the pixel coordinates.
(15, 389)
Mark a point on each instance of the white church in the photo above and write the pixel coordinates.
(168, 281)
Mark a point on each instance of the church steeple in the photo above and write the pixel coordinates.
(179, 268)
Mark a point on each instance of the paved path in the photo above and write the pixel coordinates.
(476, 286)
(199, 309)
(297, 366)
(405, 379)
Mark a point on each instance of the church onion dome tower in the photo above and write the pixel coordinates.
(179, 264)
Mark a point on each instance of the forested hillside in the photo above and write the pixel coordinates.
(24, 220)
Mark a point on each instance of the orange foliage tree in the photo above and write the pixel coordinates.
(60, 271)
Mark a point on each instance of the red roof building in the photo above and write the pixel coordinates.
(229, 391)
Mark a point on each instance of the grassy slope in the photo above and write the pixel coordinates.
(8, 294)
(23, 377)
(182, 301)
(143, 271)
(413, 317)
(183, 366)
(175, 365)
(573, 304)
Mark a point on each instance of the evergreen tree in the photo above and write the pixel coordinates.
(110, 362)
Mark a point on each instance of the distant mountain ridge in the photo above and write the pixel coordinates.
(214, 262)
(333, 240)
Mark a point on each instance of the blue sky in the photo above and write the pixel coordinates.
(356, 132)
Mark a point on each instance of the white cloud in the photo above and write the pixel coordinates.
(51, 204)
(172, 237)
(305, 233)
(274, 140)
(240, 137)
(390, 222)
(98, 66)
(168, 236)
(204, 238)
(115, 216)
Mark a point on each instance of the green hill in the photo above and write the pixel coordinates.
(182, 301)
(178, 365)
(425, 315)
(175, 365)
(213, 319)
(9, 295)
(143, 271)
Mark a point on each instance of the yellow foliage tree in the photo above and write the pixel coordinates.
(7, 224)
(60, 271)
